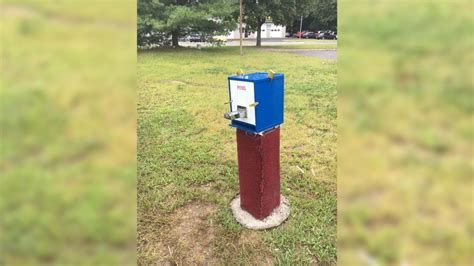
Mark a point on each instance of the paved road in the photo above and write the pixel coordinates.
(323, 54)
(278, 42)
(264, 42)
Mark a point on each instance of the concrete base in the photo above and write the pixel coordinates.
(276, 217)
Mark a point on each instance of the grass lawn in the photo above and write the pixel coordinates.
(309, 44)
(187, 168)
(309, 40)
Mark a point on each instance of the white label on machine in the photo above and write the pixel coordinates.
(242, 94)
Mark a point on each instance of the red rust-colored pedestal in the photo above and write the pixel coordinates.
(259, 172)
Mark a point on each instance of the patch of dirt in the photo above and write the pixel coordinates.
(187, 240)
(193, 234)
(252, 241)
(18, 11)
(177, 82)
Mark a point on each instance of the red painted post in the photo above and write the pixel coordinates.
(259, 171)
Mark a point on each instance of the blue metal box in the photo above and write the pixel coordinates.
(258, 99)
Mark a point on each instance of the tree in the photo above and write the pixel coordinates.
(158, 20)
(149, 12)
(323, 16)
(281, 12)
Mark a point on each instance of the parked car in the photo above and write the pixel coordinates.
(326, 35)
(195, 38)
(220, 38)
(320, 35)
(329, 35)
(309, 35)
(299, 34)
(287, 35)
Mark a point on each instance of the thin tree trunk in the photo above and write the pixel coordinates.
(259, 34)
(175, 39)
